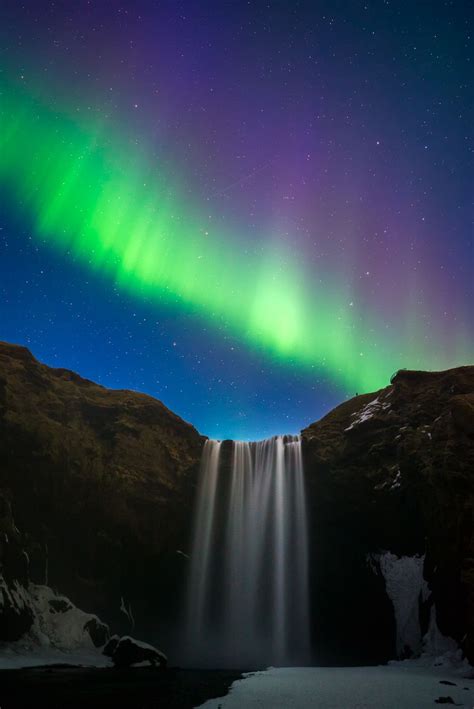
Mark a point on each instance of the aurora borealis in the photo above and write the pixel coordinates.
(248, 214)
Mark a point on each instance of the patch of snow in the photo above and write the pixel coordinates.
(393, 484)
(16, 595)
(405, 587)
(64, 630)
(58, 625)
(369, 410)
(143, 646)
(138, 643)
(402, 686)
(24, 653)
(405, 584)
(451, 661)
(437, 645)
(397, 481)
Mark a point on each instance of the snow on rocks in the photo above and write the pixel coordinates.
(59, 623)
(55, 625)
(444, 650)
(59, 632)
(26, 652)
(14, 595)
(405, 586)
(129, 651)
(369, 411)
(397, 481)
(391, 484)
(16, 613)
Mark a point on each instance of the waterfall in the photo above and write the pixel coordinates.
(247, 597)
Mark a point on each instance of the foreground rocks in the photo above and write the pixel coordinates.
(128, 651)
(392, 472)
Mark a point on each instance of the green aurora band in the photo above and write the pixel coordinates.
(106, 205)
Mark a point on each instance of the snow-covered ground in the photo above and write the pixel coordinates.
(399, 685)
(13, 657)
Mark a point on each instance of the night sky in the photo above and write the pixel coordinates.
(250, 210)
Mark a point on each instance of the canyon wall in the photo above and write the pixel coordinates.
(97, 489)
(392, 472)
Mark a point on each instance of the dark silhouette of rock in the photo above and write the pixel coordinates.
(392, 470)
(60, 605)
(110, 645)
(98, 631)
(100, 484)
(129, 651)
(16, 618)
(16, 612)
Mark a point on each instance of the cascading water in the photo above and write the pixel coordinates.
(248, 587)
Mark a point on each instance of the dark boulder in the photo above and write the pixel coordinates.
(110, 646)
(129, 651)
(98, 631)
(16, 613)
(444, 700)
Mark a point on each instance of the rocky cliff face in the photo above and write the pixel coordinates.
(96, 492)
(393, 472)
(97, 488)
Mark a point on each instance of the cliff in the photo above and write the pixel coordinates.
(393, 471)
(96, 490)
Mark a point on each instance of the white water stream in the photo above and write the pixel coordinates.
(248, 585)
